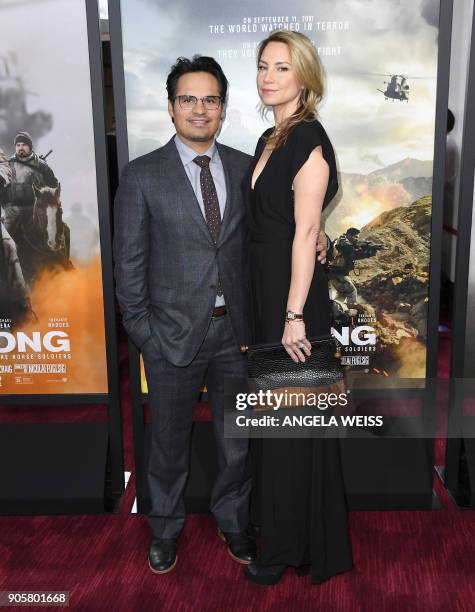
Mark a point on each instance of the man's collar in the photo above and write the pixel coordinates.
(187, 154)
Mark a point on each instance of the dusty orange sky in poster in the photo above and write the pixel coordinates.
(76, 296)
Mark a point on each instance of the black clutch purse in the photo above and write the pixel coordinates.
(269, 367)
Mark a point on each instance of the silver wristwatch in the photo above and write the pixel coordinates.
(290, 315)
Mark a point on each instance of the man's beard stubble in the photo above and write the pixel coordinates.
(199, 138)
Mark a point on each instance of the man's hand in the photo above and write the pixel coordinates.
(322, 246)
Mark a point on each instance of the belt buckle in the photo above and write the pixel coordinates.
(222, 312)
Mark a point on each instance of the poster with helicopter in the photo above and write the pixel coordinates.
(380, 60)
(52, 338)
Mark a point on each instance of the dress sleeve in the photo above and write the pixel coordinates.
(306, 137)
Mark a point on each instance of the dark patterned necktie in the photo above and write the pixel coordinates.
(210, 201)
(210, 197)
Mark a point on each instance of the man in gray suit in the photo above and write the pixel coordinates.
(179, 248)
(180, 251)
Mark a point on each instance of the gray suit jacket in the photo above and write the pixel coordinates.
(166, 264)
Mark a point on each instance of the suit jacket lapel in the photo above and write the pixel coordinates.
(176, 173)
(230, 193)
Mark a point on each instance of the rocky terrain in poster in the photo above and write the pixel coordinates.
(394, 283)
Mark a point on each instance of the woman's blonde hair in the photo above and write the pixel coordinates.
(308, 70)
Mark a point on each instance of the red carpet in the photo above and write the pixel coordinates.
(404, 561)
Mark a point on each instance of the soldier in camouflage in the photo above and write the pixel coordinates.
(348, 249)
(27, 170)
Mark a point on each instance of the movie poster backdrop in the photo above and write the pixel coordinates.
(380, 60)
(52, 338)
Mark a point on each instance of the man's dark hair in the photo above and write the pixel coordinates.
(352, 231)
(199, 63)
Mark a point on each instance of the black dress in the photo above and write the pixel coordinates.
(298, 486)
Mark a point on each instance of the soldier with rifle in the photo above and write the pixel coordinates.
(27, 169)
(348, 249)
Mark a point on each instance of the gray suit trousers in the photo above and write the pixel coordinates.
(173, 394)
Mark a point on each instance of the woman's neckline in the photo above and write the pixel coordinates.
(253, 186)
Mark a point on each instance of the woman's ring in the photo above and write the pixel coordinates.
(301, 346)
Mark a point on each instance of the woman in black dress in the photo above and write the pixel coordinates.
(298, 484)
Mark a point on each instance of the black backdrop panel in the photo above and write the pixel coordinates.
(386, 474)
(52, 468)
(373, 479)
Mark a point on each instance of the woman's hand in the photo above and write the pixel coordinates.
(322, 247)
(295, 341)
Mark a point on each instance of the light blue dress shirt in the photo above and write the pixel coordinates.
(187, 155)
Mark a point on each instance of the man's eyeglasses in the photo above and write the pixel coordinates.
(189, 102)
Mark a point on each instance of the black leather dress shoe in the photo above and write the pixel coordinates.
(264, 574)
(162, 556)
(241, 547)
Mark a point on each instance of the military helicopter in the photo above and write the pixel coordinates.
(13, 113)
(397, 87)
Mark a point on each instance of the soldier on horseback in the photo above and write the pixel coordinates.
(28, 169)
